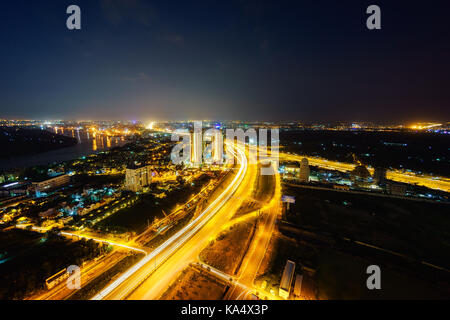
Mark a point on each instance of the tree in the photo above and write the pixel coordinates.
(180, 180)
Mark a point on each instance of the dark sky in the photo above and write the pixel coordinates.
(251, 60)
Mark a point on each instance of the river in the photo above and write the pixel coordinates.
(87, 144)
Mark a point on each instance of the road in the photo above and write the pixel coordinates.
(432, 182)
(244, 286)
(364, 193)
(89, 272)
(178, 212)
(151, 276)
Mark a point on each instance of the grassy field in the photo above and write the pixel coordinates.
(134, 218)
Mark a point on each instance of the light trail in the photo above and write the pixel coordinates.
(258, 249)
(185, 233)
(432, 182)
(103, 240)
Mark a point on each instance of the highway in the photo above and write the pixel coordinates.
(258, 248)
(151, 276)
(178, 212)
(432, 182)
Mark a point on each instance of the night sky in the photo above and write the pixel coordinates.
(247, 60)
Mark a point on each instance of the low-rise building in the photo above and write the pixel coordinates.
(56, 278)
(50, 213)
(88, 209)
(298, 286)
(292, 168)
(137, 177)
(396, 189)
(286, 279)
(66, 220)
(13, 189)
(50, 184)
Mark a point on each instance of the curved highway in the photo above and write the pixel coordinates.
(138, 280)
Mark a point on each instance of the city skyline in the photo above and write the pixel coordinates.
(151, 228)
(224, 151)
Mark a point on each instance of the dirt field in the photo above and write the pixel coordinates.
(227, 250)
(264, 189)
(193, 284)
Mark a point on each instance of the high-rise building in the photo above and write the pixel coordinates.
(137, 177)
(212, 147)
(304, 170)
(196, 148)
(217, 151)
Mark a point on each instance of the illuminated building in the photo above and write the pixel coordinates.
(197, 147)
(304, 170)
(212, 146)
(217, 147)
(291, 170)
(286, 279)
(50, 213)
(57, 278)
(298, 285)
(137, 177)
(13, 189)
(50, 184)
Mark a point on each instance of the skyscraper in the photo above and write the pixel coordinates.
(217, 147)
(197, 145)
